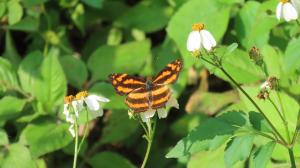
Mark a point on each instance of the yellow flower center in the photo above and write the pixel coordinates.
(196, 53)
(69, 99)
(197, 26)
(284, 1)
(82, 94)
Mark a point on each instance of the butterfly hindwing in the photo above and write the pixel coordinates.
(141, 100)
(124, 83)
(169, 74)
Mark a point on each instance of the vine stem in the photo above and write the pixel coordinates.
(248, 97)
(292, 158)
(76, 144)
(149, 139)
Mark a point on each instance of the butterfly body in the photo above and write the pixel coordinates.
(143, 94)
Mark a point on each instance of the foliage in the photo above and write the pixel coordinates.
(50, 49)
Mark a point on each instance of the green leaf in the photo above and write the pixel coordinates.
(258, 122)
(109, 160)
(28, 71)
(214, 14)
(52, 85)
(273, 61)
(114, 59)
(114, 37)
(230, 49)
(45, 136)
(75, 70)
(8, 78)
(10, 107)
(263, 155)
(3, 138)
(238, 149)
(15, 11)
(28, 24)
(290, 106)
(248, 23)
(10, 50)
(200, 138)
(93, 3)
(291, 56)
(142, 17)
(18, 156)
(30, 3)
(2, 8)
(119, 127)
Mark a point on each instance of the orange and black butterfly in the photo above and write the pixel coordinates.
(143, 94)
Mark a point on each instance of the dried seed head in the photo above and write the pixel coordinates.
(255, 55)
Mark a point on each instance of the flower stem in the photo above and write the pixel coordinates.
(76, 144)
(254, 103)
(292, 158)
(151, 131)
(86, 127)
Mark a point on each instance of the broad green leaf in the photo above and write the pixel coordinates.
(10, 107)
(114, 59)
(200, 138)
(263, 155)
(93, 3)
(214, 14)
(29, 73)
(109, 160)
(52, 85)
(273, 61)
(28, 24)
(3, 138)
(45, 136)
(230, 49)
(238, 149)
(291, 56)
(248, 23)
(118, 127)
(10, 50)
(8, 77)
(142, 17)
(75, 70)
(18, 156)
(15, 11)
(290, 107)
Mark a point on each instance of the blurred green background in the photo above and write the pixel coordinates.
(53, 48)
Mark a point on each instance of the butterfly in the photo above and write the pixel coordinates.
(143, 94)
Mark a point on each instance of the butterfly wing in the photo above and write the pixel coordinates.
(169, 74)
(124, 83)
(140, 100)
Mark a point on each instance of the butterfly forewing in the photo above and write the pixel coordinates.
(124, 83)
(169, 74)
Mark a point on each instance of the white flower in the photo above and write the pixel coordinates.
(69, 116)
(200, 38)
(286, 10)
(296, 4)
(161, 112)
(92, 102)
(72, 130)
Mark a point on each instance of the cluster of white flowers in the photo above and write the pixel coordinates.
(73, 106)
(200, 38)
(161, 112)
(288, 10)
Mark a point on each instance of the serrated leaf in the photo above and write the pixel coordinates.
(238, 149)
(263, 155)
(8, 77)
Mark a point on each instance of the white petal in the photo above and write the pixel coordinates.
(162, 113)
(296, 4)
(279, 10)
(66, 110)
(193, 41)
(208, 41)
(92, 103)
(173, 102)
(77, 106)
(147, 115)
(99, 98)
(289, 12)
(72, 130)
(94, 114)
(70, 119)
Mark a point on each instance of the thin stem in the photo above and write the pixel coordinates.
(149, 140)
(278, 111)
(254, 103)
(85, 131)
(284, 117)
(292, 158)
(76, 144)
